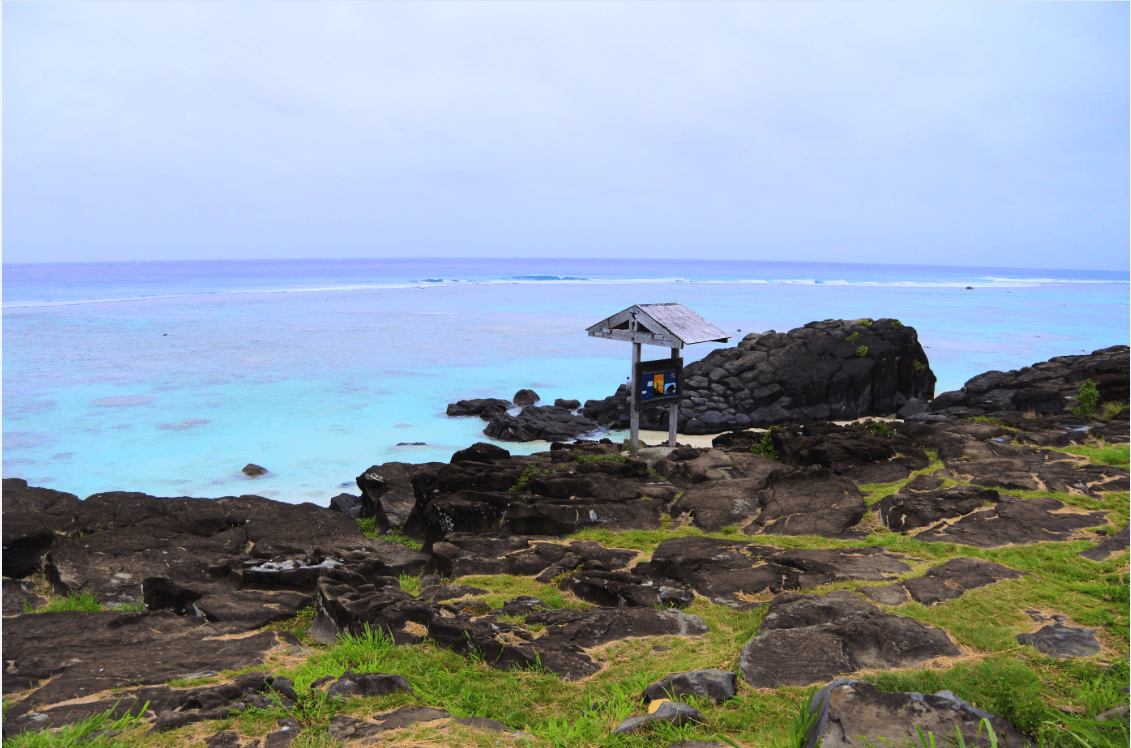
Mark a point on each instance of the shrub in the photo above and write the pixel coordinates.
(853, 337)
(862, 351)
(765, 446)
(1088, 399)
(896, 323)
(919, 366)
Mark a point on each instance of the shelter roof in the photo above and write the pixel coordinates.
(668, 325)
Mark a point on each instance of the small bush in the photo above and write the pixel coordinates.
(877, 428)
(853, 337)
(1111, 408)
(1088, 399)
(765, 446)
(862, 351)
(865, 322)
(896, 323)
(919, 366)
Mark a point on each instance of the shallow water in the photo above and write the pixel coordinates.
(169, 377)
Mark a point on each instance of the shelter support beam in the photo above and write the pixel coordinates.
(673, 412)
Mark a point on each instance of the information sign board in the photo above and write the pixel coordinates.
(658, 382)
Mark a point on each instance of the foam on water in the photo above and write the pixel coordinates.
(182, 373)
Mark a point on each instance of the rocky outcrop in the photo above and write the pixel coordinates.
(830, 370)
(1047, 388)
(855, 713)
(808, 639)
(547, 423)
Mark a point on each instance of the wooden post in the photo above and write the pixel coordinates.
(634, 415)
(673, 412)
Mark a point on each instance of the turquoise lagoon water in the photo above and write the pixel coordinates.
(169, 377)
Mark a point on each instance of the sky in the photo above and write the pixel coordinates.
(935, 133)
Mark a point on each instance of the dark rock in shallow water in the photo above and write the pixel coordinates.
(525, 397)
(486, 408)
(813, 373)
(548, 423)
(252, 470)
(854, 713)
(808, 639)
(567, 404)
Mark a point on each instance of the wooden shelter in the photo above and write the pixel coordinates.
(668, 325)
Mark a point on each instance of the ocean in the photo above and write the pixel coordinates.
(169, 377)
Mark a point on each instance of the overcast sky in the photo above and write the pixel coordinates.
(950, 133)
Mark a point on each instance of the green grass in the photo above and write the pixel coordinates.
(1001, 676)
(82, 602)
(394, 535)
(1117, 455)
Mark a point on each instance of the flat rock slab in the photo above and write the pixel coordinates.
(951, 579)
(465, 554)
(619, 589)
(854, 713)
(807, 639)
(915, 506)
(716, 685)
(1107, 548)
(806, 501)
(668, 712)
(1014, 521)
(892, 594)
(20, 594)
(1060, 641)
(80, 654)
(345, 728)
(731, 571)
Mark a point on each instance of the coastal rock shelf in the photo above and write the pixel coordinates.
(795, 557)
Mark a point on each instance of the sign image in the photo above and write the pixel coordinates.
(658, 382)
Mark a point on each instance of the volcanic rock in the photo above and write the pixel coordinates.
(730, 572)
(855, 713)
(808, 639)
(485, 408)
(1048, 387)
(669, 712)
(525, 398)
(951, 579)
(1058, 640)
(1013, 521)
(547, 423)
(617, 589)
(807, 501)
(835, 369)
(1108, 547)
(716, 685)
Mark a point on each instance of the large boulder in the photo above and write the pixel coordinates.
(547, 423)
(835, 369)
(1048, 387)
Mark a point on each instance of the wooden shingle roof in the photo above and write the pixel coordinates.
(668, 325)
